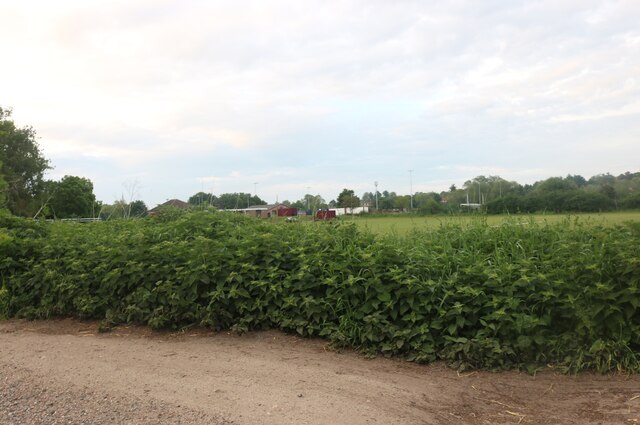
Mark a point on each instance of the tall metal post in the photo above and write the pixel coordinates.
(376, 185)
(411, 186)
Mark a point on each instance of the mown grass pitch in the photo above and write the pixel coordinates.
(402, 224)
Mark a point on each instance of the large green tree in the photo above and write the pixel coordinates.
(72, 197)
(348, 199)
(387, 200)
(310, 202)
(137, 209)
(23, 165)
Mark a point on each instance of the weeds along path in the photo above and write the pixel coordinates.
(64, 371)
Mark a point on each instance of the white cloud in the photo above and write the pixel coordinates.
(355, 90)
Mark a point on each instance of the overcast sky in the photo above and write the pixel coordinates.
(167, 98)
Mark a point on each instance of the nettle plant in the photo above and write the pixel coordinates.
(474, 295)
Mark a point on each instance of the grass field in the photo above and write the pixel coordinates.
(402, 224)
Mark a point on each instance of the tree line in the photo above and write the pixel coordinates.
(25, 192)
(493, 194)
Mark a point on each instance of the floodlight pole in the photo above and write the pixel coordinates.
(411, 186)
(376, 185)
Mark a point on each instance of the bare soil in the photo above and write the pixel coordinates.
(64, 371)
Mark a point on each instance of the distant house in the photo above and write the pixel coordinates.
(267, 211)
(170, 203)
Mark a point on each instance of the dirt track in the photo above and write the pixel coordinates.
(65, 372)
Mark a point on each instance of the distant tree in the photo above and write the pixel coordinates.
(431, 206)
(421, 198)
(402, 202)
(632, 201)
(72, 197)
(608, 191)
(228, 201)
(202, 198)
(137, 209)
(348, 199)
(118, 210)
(588, 202)
(300, 204)
(628, 176)
(527, 188)
(23, 166)
(553, 184)
(600, 179)
(578, 180)
(369, 199)
(626, 185)
(387, 200)
(510, 204)
(486, 189)
(454, 199)
(310, 202)
(476, 188)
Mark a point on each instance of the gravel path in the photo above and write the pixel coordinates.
(26, 398)
(64, 372)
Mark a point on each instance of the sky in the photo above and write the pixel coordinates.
(159, 99)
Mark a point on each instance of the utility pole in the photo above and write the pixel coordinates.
(255, 192)
(411, 187)
(376, 185)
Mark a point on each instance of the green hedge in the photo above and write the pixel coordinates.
(511, 296)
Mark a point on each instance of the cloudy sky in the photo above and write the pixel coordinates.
(167, 98)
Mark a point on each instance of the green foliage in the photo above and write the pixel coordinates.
(310, 202)
(72, 197)
(633, 201)
(137, 209)
(202, 198)
(430, 206)
(4, 303)
(348, 199)
(588, 202)
(517, 295)
(123, 210)
(168, 213)
(3, 190)
(22, 165)
(228, 201)
(573, 193)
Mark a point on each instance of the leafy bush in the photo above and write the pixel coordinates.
(632, 201)
(512, 296)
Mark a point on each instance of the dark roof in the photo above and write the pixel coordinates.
(265, 207)
(173, 203)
